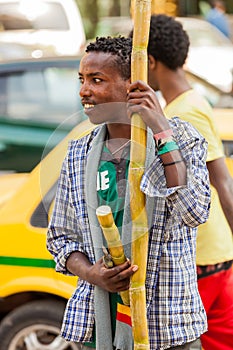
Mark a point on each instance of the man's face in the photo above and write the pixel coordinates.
(103, 90)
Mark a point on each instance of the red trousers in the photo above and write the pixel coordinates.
(216, 292)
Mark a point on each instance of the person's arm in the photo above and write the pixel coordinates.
(115, 279)
(221, 179)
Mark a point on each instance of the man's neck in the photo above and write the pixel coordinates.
(172, 84)
(119, 131)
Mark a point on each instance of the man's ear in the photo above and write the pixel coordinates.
(152, 63)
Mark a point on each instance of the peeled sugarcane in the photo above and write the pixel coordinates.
(112, 236)
(141, 17)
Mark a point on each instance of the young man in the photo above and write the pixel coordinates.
(167, 51)
(94, 172)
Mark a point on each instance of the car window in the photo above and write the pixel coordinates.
(47, 96)
(32, 15)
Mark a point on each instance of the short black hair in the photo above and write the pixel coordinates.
(168, 41)
(119, 47)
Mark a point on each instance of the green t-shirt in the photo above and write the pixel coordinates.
(111, 187)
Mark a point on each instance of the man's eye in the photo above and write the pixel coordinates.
(97, 80)
(81, 80)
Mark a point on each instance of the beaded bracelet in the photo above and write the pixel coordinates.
(172, 163)
(161, 142)
(168, 147)
(163, 134)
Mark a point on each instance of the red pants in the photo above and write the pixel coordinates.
(217, 296)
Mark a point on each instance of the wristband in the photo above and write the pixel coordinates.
(163, 134)
(168, 147)
(172, 163)
(161, 142)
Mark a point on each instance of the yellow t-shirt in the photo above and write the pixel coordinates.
(214, 239)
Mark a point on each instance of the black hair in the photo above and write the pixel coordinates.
(168, 41)
(119, 47)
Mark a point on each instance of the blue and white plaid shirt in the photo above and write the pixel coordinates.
(174, 308)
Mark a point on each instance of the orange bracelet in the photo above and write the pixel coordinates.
(163, 134)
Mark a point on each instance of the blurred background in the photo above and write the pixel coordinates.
(93, 10)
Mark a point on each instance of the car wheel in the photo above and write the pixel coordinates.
(34, 326)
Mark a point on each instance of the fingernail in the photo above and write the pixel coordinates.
(135, 268)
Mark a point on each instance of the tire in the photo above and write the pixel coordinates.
(34, 326)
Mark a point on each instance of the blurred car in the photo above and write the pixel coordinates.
(38, 96)
(11, 51)
(210, 54)
(53, 23)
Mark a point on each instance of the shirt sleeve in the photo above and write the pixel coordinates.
(64, 235)
(190, 202)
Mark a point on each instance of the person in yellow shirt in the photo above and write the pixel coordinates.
(167, 52)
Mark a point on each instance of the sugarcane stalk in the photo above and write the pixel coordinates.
(139, 249)
(113, 239)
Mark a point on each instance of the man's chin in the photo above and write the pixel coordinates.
(95, 116)
(107, 112)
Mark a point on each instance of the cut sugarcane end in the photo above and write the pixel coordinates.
(104, 215)
(103, 210)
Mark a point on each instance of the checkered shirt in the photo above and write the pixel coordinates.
(174, 308)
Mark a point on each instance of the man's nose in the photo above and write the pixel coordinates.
(85, 90)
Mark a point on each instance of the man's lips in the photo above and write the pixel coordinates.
(87, 106)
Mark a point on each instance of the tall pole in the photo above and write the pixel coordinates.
(141, 15)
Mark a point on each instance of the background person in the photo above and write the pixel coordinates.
(167, 51)
(217, 17)
(176, 186)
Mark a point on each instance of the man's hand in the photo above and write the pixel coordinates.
(142, 99)
(115, 279)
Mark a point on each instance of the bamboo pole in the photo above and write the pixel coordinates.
(139, 249)
(168, 7)
(112, 236)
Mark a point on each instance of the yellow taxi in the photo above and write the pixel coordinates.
(32, 294)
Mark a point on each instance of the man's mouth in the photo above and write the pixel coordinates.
(88, 106)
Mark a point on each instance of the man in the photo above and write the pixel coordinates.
(167, 52)
(94, 172)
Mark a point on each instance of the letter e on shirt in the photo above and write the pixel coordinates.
(102, 180)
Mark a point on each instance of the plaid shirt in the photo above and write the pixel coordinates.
(174, 308)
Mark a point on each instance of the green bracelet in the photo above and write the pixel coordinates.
(168, 147)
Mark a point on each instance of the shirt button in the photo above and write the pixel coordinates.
(119, 170)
